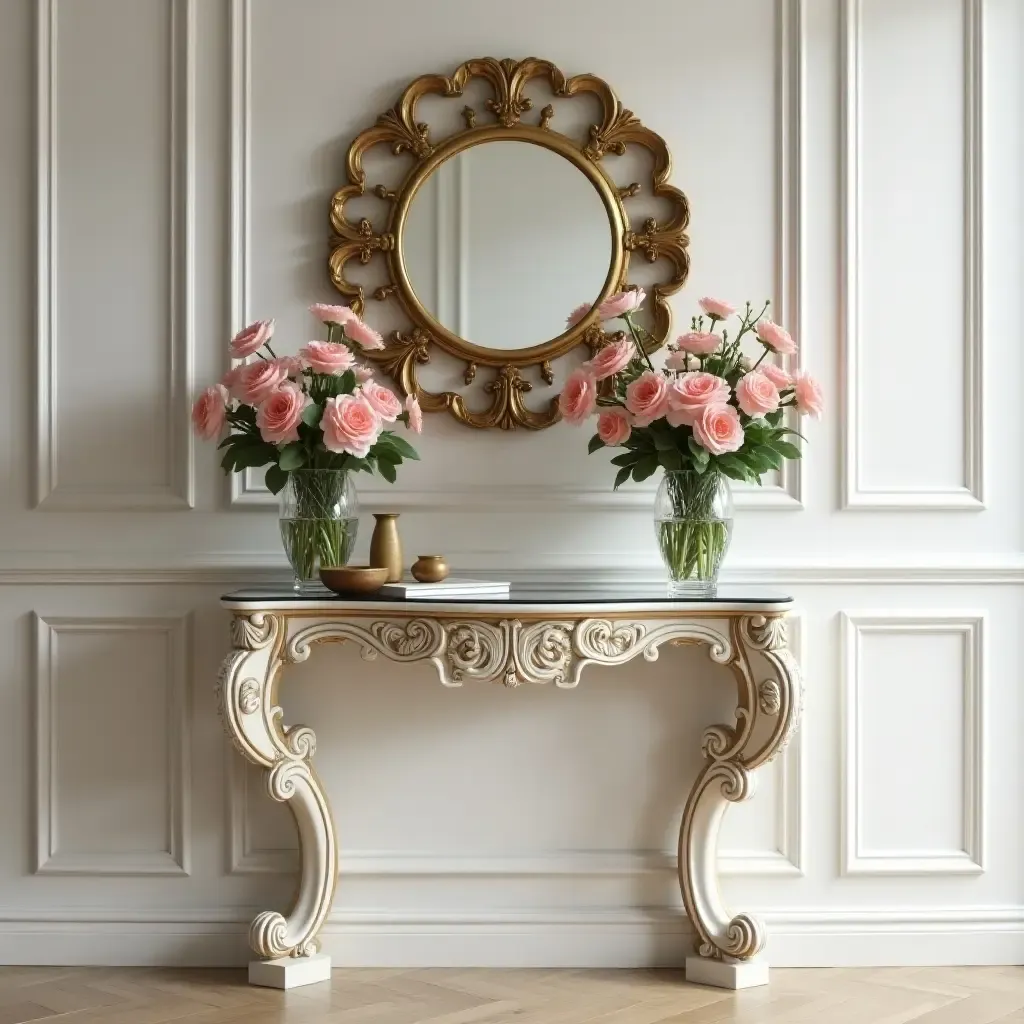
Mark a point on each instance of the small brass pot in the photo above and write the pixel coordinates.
(430, 568)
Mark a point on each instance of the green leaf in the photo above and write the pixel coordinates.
(346, 383)
(786, 450)
(671, 459)
(627, 458)
(594, 443)
(293, 456)
(646, 467)
(312, 413)
(775, 418)
(228, 462)
(400, 444)
(387, 470)
(253, 455)
(386, 454)
(622, 476)
(276, 478)
(663, 436)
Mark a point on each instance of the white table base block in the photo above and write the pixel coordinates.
(290, 971)
(726, 974)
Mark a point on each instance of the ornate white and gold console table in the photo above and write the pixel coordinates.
(528, 638)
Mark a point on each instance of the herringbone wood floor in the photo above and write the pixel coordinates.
(957, 995)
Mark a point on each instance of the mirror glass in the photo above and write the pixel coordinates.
(503, 241)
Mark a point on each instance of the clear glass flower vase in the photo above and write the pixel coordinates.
(319, 518)
(693, 517)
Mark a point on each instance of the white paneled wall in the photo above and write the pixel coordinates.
(166, 170)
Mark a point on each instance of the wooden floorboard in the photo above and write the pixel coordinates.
(101, 995)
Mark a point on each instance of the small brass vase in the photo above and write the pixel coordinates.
(386, 545)
(430, 568)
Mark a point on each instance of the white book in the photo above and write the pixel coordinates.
(452, 587)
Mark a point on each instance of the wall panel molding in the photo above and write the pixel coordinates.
(970, 859)
(48, 857)
(247, 489)
(179, 490)
(855, 495)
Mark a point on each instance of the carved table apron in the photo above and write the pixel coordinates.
(512, 641)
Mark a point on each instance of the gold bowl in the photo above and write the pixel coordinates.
(353, 579)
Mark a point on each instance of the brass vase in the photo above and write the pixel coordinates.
(386, 545)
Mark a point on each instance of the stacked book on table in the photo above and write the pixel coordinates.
(451, 589)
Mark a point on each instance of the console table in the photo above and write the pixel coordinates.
(526, 638)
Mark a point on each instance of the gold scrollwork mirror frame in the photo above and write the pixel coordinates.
(400, 129)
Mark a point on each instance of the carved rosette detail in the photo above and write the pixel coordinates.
(249, 697)
(769, 697)
(407, 137)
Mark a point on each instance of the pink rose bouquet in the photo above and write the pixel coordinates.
(319, 411)
(712, 412)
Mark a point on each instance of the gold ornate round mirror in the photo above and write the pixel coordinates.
(500, 229)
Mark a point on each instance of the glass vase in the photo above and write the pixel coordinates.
(319, 518)
(693, 517)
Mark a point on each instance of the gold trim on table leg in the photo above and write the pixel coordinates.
(769, 688)
(247, 700)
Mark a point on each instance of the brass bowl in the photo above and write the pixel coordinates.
(353, 579)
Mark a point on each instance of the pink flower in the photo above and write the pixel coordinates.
(412, 407)
(775, 337)
(621, 302)
(716, 307)
(613, 426)
(700, 343)
(647, 398)
(255, 381)
(776, 374)
(612, 358)
(363, 334)
(383, 400)
(718, 429)
(327, 356)
(810, 399)
(251, 339)
(332, 314)
(350, 424)
(756, 395)
(210, 411)
(363, 374)
(230, 378)
(292, 365)
(679, 360)
(280, 413)
(579, 396)
(577, 314)
(691, 393)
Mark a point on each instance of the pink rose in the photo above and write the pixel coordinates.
(776, 374)
(612, 358)
(691, 393)
(700, 343)
(383, 400)
(579, 396)
(412, 407)
(775, 337)
(810, 399)
(679, 361)
(255, 381)
(577, 314)
(280, 413)
(718, 429)
(647, 397)
(363, 334)
(350, 424)
(363, 374)
(716, 307)
(756, 395)
(621, 302)
(210, 411)
(327, 356)
(251, 339)
(292, 365)
(332, 314)
(230, 378)
(613, 426)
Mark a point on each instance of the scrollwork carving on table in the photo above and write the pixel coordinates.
(514, 652)
(407, 137)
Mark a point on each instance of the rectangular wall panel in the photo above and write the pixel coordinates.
(112, 745)
(113, 389)
(913, 735)
(911, 155)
